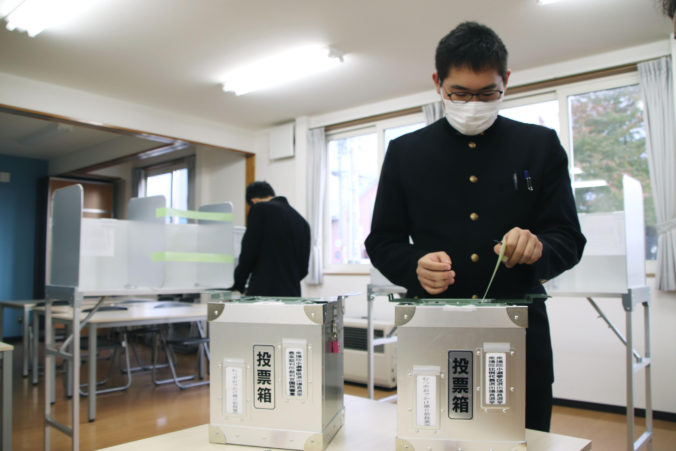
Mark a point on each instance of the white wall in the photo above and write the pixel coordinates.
(220, 177)
(589, 360)
(287, 175)
(121, 172)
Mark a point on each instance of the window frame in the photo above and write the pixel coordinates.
(379, 127)
(169, 167)
(561, 93)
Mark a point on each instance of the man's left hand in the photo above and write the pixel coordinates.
(522, 247)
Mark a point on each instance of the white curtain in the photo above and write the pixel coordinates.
(316, 179)
(660, 124)
(433, 112)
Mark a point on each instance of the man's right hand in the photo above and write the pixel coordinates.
(434, 272)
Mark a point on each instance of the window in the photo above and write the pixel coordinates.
(354, 160)
(601, 125)
(171, 181)
(541, 111)
(608, 140)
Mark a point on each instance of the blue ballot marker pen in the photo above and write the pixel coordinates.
(529, 181)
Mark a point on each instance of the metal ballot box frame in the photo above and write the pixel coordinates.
(276, 372)
(461, 375)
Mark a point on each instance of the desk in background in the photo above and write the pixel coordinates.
(133, 314)
(369, 425)
(27, 306)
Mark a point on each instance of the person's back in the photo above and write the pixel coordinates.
(284, 249)
(275, 247)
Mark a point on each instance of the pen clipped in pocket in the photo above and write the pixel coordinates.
(528, 180)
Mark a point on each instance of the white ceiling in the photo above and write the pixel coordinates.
(31, 137)
(171, 54)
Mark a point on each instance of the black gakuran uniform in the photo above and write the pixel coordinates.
(461, 194)
(275, 250)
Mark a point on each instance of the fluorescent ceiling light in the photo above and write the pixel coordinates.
(48, 132)
(163, 150)
(34, 16)
(589, 184)
(547, 2)
(280, 69)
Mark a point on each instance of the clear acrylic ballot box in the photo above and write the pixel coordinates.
(461, 372)
(276, 372)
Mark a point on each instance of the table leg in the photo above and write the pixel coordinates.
(75, 326)
(49, 373)
(7, 401)
(630, 382)
(92, 364)
(70, 365)
(201, 352)
(35, 348)
(369, 343)
(27, 348)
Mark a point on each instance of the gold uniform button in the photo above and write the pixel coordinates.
(474, 217)
(473, 178)
(475, 296)
(543, 281)
(472, 145)
(474, 258)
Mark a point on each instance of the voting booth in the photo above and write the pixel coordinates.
(461, 372)
(613, 266)
(276, 372)
(146, 252)
(144, 255)
(614, 257)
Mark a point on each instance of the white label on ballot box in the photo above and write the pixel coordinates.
(426, 405)
(496, 366)
(264, 376)
(234, 390)
(295, 367)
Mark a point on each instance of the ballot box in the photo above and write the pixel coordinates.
(461, 372)
(276, 372)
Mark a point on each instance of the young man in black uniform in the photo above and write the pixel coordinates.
(275, 247)
(471, 180)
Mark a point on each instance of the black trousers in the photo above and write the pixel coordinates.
(539, 406)
(539, 368)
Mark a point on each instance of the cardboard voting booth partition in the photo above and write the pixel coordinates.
(144, 252)
(613, 266)
(614, 257)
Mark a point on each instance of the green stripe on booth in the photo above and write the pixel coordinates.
(189, 214)
(198, 257)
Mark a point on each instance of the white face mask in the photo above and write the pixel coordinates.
(471, 118)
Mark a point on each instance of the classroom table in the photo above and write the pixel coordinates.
(122, 314)
(369, 425)
(27, 306)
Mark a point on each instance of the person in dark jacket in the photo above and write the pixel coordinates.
(452, 194)
(275, 247)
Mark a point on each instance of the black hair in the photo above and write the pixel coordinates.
(669, 7)
(473, 46)
(258, 189)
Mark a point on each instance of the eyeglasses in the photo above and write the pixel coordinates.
(483, 96)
